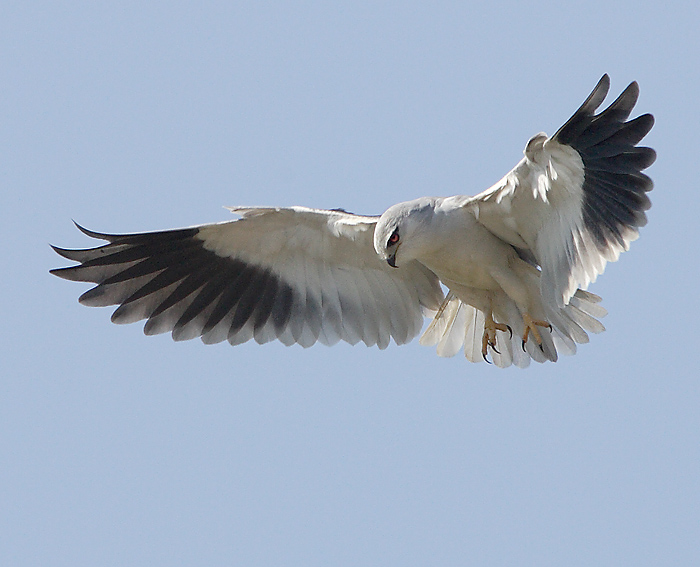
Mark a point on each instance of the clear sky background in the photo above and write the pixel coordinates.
(120, 449)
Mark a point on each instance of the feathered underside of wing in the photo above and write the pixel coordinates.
(275, 274)
(577, 199)
(614, 187)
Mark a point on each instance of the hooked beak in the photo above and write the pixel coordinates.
(391, 260)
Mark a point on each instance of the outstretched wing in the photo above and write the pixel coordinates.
(294, 274)
(577, 199)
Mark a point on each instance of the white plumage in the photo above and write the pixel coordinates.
(515, 259)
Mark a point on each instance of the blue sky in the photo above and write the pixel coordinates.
(120, 449)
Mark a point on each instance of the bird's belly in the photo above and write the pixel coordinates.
(469, 256)
(463, 271)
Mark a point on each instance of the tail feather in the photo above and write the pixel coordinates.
(473, 333)
(441, 322)
(453, 338)
(459, 325)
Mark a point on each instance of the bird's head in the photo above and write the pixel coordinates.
(401, 234)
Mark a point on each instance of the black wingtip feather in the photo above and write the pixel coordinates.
(633, 131)
(96, 235)
(141, 237)
(580, 120)
(240, 280)
(614, 187)
(620, 109)
(597, 96)
(62, 273)
(65, 253)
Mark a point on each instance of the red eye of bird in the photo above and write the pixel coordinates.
(394, 238)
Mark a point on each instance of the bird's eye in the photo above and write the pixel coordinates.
(394, 238)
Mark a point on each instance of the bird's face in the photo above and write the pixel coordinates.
(397, 236)
(387, 241)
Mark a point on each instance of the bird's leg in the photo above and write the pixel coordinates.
(489, 338)
(531, 328)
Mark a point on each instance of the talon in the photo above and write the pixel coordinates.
(531, 327)
(486, 359)
(510, 332)
(489, 338)
(485, 346)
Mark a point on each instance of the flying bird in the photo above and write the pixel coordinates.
(515, 261)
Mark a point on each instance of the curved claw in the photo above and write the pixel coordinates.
(531, 329)
(489, 338)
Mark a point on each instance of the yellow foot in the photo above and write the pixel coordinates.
(531, 329)
(489, 338)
